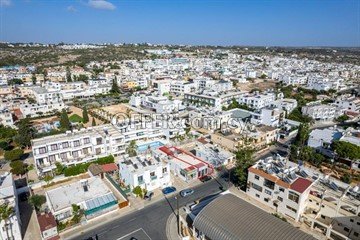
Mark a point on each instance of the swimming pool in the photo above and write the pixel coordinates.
(152, 145)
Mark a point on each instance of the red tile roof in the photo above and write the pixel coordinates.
(110, 167)
(202, 140)
(300, 185)
(46, 221)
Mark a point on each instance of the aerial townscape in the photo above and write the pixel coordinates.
(119, 140)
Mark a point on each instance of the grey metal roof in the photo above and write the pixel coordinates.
(228, 217)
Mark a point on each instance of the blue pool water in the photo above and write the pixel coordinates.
(144, 147)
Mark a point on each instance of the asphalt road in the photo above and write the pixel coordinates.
(149, 221)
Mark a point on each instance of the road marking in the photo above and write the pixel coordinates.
(146, 234)
(130, 233)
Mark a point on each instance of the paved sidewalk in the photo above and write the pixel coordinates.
(171, 228)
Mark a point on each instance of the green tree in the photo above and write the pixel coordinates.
(5, 213)
(131, 149)
(68, 74)
(77, 213)
(93, 122)
(14, 154)
(7, 132)
(342, 118)
(25, 133)
(138, 191)
(18, 167)
(83, 78)
(346, 150)
(33, 78)
(244, 159)
(85, 115)
(302, 135)
(346, 178)
(114, 87)
(37, 201)
(64, 120)
(59, 168)
(48, 179)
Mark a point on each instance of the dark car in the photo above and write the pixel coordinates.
(148, 195)
(168, 190)
(205, 178)
(186, 192)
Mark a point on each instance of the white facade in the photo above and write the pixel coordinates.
(6, 118)
(321, 112)
(267, 116)
(257, 100)
(145, 171)
(9, 229)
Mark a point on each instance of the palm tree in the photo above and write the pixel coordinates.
(5, 213)
(131, 149)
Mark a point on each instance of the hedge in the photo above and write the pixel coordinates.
(83, 167)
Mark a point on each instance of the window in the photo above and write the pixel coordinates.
(293, 197)
(280, 199)
(257, 195)
(281, 190)
(42, 150)
(65, 144)
(53, 147)
(98, 141)
(257, 187)
(351, 220)
(346, 229)
(63, 156)
(266, 199)
(152, 174)
(86, 151)
(140, 179)
(76, 143)
(87, 140)
(75, 154)
(52, 158)
(257, 177)
(268, 192)
(356, 234)
(269, 184)
(290, 208)
(164, 170)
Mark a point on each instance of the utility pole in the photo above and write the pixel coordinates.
(178, 214)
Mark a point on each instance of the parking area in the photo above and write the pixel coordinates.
(138, 234)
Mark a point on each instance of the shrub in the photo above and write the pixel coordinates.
(13, 154)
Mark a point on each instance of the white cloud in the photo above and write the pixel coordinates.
(101, 4)
(5, 3)
(71, 9)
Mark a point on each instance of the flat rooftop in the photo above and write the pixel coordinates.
(64, 196)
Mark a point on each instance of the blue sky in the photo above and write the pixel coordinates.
(214, 22)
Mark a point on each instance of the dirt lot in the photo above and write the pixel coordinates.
(257, 84)
(116, 108)
(78, 111)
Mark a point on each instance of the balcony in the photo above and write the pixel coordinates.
(153, 178)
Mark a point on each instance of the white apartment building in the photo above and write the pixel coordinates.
(6, 118)
(159, 104)
(348, 103)
(279, 185)
(293, 79)
(162, 86)
(258, 100)
(148, 172)
(76, 147)
(43, 96)
(320, 112)
(286, 104)
(269, 116)
(250, 74)
(10, 229)
(92, 195)
(35, 110)
(86, 145)
(182, 87)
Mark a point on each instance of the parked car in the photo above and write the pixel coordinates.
(148, 195)
(205, 178)
(186, 192)
(168, 190)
